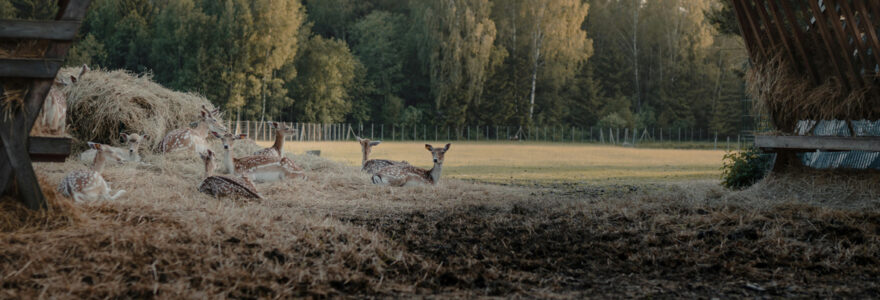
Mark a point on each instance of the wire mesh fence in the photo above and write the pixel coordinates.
(263, 131)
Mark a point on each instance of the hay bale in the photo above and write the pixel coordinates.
(104, 104)
(60, 212)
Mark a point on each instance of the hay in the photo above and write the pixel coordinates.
(104, 104)
(60, 212)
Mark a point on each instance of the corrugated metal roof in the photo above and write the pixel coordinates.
(844, 159)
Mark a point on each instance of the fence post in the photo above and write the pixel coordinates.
(716, 140)
(382, 132)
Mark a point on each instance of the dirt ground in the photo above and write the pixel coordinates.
(335, 235)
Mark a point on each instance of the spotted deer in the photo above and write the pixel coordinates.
(373, 166)
(193, 138)
(260, 168)
(405, 175)
(281, 132)
(222, 186)
(131, 154)
(52, 120)
(89, 185)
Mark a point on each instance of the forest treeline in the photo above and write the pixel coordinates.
(609, 63)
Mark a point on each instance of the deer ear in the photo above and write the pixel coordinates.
(374, 143)
(84, 70)
(145, 136)
(275, 125)
(217, 135)
(446, 148)
(124, 136)
(429, 147)
(73, 79)
(242, 136)
(95, 146)
(209, 153)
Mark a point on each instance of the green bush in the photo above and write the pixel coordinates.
(745, 168)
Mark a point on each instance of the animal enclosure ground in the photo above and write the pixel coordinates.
(533, 162)
(336, 235)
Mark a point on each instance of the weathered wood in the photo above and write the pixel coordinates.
(744, 30)
(14, 133)
(798, 37)
(750, 19)
(46, 30)
(853, 26)
(847, 49)
(871, 32)
(812, 143)
(30, 68)
(827, 40)
(49, 149)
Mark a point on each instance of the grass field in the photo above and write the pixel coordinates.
(542, 163)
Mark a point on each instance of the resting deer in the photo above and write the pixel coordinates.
(222, 186)
(259, 167)
(132, 154)
(52, 120)
(281, 132)
(193, 138)
(373, 166)
(89, 184)
(403, 175)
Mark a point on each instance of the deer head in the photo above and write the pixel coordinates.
(208, 158)
(438, 153)
(134, 141)
(367, 146)
(283, 129)
(209, 118)
(228, 139)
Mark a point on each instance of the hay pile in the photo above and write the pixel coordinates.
(103, 104)
(61, 212)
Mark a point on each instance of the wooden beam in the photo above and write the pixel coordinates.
(798, 35)
(14, 133)
(44, 30)
(857, 35)
(47, 149)
(826, 38)
(30, 68)
(812, 143)
(756, 29)
(872, 33)
(745, 30)
(844, 46)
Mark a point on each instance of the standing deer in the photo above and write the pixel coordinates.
(373, 166)
(404, 175)
(221, 186)
(281, 132)
(132, 154)
(259, 167)
(52, 120)
(193, 138)
(89, 184)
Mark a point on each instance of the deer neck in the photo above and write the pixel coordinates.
(202, 129)
(364, 159)
(434, 173)
(209, 169)
(279, 141)
(228, 162)
(100, 160)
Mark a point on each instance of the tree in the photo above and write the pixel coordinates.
(326, 70)
(456, 45)
(377, 44)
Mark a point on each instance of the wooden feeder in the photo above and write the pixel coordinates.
(18, 149)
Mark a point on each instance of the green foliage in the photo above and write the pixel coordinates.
(326, 72)
(612, 120)
(745, 168)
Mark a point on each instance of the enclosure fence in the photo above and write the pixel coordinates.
(263, 131)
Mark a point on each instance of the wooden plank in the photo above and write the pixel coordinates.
(841, 42)
(46, 149)
(30, 68)
(798, 35)
(857, 35)
(744, 30)
(749, 13)
(812, 143)
(826, 38)
(771, 37)
(871, 32)
(14, 133)
(780, 27)
(45, 30)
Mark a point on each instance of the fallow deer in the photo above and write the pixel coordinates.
(52, 120)
(403, 175)
(89, 184)
(222, 186)
(260, 168)
(281, 132)
(132, 154)
(373, 166)
(193, 138)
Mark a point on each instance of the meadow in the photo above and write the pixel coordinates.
(541, 163)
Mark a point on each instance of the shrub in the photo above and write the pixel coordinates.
(745, 168)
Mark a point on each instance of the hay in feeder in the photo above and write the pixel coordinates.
(104, 104)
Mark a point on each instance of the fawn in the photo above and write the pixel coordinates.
(222, 186)
(132, 154)
(260, 167)
(373, 166)
(281, 132)
(193, 138)
(89, 184)
(403, 175)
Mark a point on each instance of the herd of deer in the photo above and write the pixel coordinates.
(266, 165)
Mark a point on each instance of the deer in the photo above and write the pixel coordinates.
(52, 120)
(89, 184)
(222, 186)
(407, 175)
(193, 138)
(132, 154)
(281, 132)
(260, 168)
(373, 166)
